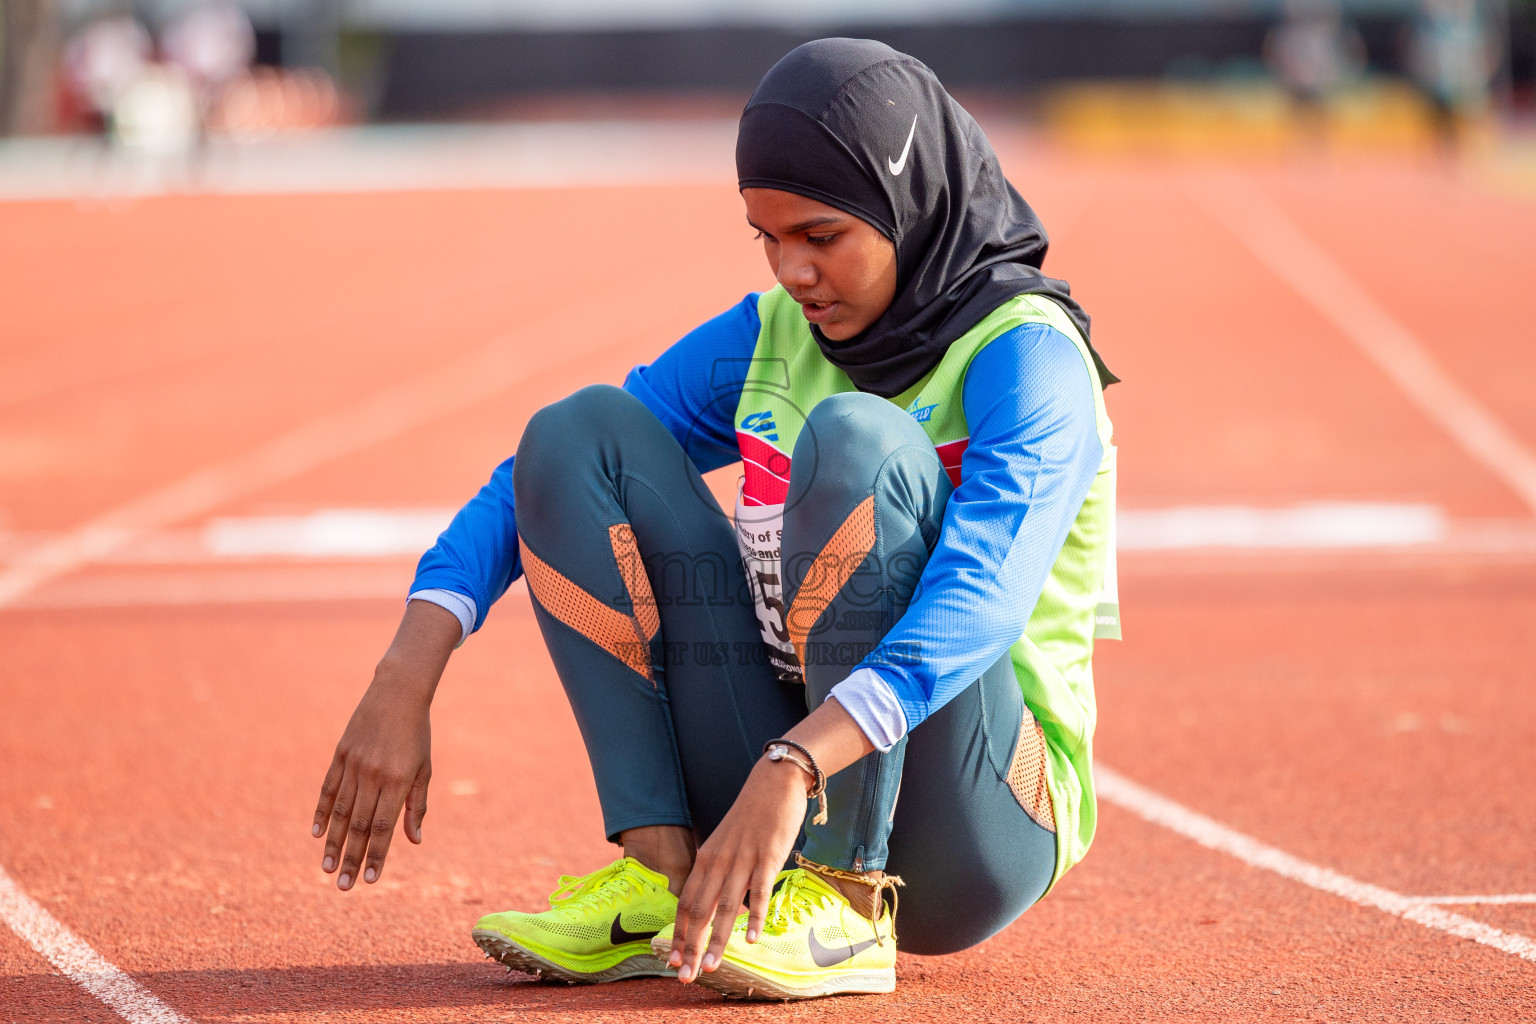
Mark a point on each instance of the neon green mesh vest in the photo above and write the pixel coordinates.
(1053, 659)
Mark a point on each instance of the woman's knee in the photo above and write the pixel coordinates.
(940, 938)
(594, 410)
(968, 877)
(855, 444)
(575, 425)
(849, 437)
(959, 920)
(862, 424)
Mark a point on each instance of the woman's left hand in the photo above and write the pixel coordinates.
(742, 857)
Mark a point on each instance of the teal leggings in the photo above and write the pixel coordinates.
(639, 591)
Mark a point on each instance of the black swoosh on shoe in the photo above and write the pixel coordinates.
(619, 936)
(825, 957)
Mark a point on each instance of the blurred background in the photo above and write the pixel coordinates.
(171, 76)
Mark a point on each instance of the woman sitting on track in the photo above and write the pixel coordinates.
(920, 541)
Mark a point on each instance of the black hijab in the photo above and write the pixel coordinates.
(856, 125)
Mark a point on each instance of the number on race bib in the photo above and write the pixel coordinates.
(758, 532)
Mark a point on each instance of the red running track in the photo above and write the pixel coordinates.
(1368, 713)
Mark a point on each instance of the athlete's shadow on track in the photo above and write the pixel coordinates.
(200, 995)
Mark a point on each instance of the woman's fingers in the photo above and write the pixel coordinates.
(695, 907)
(744, 853)
(709, 914)
(727, 909)
(686, 922)
(416, 804)
(757, 900)
(382, 831)
(328, 790)
(363, 805)
(340, 813)
(359, 830)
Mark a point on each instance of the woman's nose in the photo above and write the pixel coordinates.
(796, 271)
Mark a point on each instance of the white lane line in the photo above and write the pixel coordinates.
(363, 533)
(78, 961)
(1276, 242)
(257, 585)
(351, 554)
(298, 583)
(483, 373)
(1500, 900)
(1144, 803)
(247, 585)
(327, 533)
(1313, 524)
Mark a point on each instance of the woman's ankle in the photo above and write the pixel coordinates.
(666, 849)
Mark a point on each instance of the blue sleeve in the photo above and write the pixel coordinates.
(691, 388)
(477, 555)
(1033, 454)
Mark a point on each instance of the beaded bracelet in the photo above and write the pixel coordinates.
(783, 750)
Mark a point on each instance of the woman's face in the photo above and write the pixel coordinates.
(839, 268)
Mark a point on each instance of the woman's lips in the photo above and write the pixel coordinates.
(818, 312)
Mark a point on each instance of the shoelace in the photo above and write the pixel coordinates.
(792, 899)
(606, 886)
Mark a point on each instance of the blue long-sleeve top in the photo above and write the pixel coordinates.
(1033, 452)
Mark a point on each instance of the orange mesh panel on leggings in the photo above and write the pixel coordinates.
(831, 570)
(1027, 774)
(626, 554)
(609, 628)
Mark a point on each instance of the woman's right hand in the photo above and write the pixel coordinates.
(384, 759)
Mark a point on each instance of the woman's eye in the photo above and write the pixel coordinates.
(820, 239)
(763, 236)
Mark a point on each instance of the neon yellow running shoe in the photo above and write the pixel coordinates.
(813, 944)
(598, 927)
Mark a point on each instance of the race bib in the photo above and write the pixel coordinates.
(759, 529)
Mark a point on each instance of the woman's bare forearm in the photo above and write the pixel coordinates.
(414, 662)
(832, 736)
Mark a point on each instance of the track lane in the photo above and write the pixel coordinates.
(1375, 724)
(415, 295)
(1151, 927)
(1453, 257)
(1357, 317)
(1237, 391)
(1112, 932)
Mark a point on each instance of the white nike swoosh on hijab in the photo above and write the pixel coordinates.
(897, 166)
